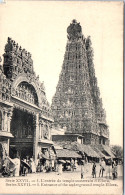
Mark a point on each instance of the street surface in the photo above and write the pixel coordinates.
(67, 182)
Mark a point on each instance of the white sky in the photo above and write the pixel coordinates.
(40, 27)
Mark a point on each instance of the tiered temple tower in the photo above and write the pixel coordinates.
(76, 104)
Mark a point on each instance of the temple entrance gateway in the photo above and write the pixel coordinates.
(22, 129)
(25, 114)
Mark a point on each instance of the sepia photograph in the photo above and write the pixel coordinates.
(61, 97)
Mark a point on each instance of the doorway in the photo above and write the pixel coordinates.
(22, 129)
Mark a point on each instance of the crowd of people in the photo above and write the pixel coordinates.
(22, 167)
(109, 166)
(17, 167)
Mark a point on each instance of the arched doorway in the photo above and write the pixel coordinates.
(22, 123)
(22, 128)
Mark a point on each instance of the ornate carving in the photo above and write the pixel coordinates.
(46, 132)
(77, 102)
(74, 30)
(26, 92)
(5, 87)
(16, 56)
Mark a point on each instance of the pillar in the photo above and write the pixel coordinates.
(2, 127)
(4, 120)
(9, 117)
(50, 129)
(40, 130)
(41, 127)
(36, 137)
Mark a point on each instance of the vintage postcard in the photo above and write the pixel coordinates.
(61, 97)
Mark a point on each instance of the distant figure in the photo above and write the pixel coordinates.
(17, 166)
(72, 165)
(75, 164)
(114, 170)
(60, 168)
(102, 167)
(82, 169)
(33, 166)
(25, 169)
(55, 165)
(94, 170)
(52, 165)
(39, 167)
(108, 167)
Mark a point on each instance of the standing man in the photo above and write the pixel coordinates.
(102, 167)
(17, 166)
(94, 170)
(82, 169)
(108, 167)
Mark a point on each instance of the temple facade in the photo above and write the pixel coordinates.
(77, 105)
(25, 115)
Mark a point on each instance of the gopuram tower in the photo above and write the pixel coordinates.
(76, 104)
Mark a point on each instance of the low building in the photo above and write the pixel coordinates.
(68, 137)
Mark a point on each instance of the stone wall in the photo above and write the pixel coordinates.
(64, 138)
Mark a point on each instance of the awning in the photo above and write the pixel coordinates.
(106, 150)
(89, 151)
(101, 155)
(64, 153)
(45, 142)
(82, 148)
